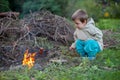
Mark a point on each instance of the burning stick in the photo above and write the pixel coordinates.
(29, 59)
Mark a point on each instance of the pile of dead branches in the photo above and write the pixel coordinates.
(45, 24)
(18, 35)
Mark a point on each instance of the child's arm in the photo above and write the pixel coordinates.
(73, 44)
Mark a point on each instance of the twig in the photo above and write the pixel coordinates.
(16, 42)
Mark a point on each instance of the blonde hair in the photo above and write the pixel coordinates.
(80, 14)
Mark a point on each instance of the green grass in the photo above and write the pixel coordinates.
(112, 24)
(105, 67)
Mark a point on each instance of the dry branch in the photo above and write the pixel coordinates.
(9, 14)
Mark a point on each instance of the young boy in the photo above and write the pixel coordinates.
(88, 38)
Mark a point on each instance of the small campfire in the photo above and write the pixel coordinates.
(29, 59)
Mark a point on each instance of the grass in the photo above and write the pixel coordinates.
(112, 24)
(105, 67)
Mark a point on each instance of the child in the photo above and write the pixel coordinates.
(88, 38)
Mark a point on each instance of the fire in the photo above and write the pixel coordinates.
(29, 59)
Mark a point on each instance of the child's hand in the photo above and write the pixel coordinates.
(71, 48)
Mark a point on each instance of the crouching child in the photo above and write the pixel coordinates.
(88, 38)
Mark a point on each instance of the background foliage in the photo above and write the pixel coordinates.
(4, 5)
(51, 5)
(95, 8)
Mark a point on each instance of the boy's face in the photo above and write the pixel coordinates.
(79, 24)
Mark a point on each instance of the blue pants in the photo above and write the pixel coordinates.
(87, 48)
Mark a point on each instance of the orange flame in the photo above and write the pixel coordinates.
(29, 59)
